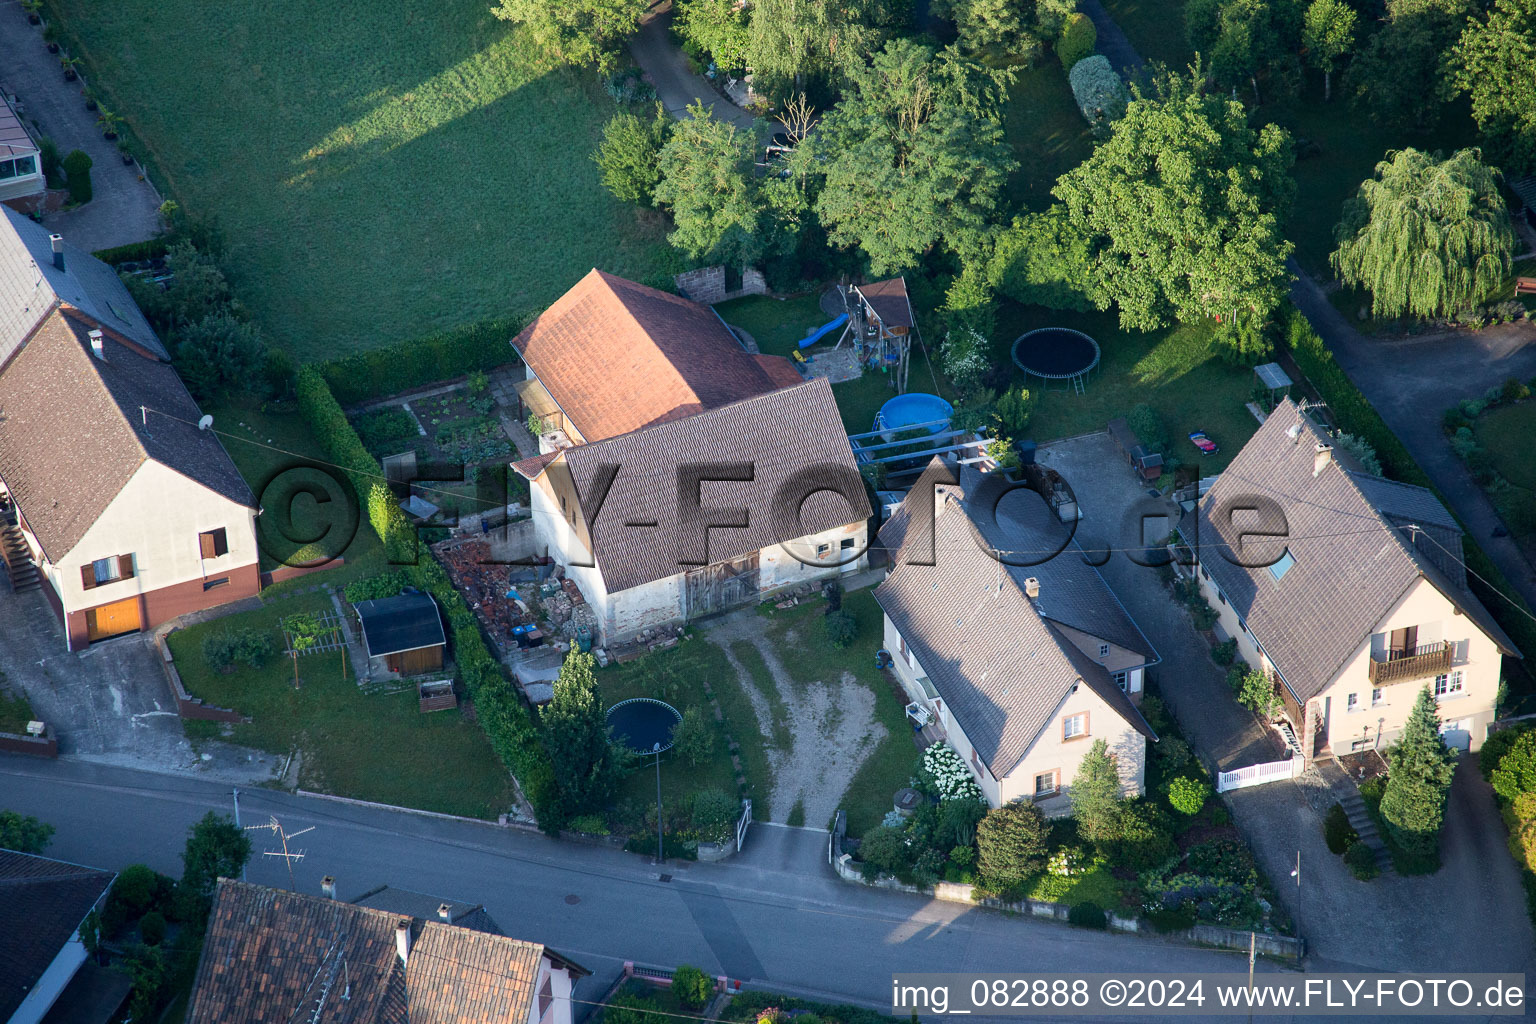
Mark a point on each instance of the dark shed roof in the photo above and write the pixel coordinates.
(407, 622)
(889, 301)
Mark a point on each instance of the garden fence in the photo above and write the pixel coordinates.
(1259, 774)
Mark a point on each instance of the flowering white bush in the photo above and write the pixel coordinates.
(1067, 862)
(964, 355)
(950, 775)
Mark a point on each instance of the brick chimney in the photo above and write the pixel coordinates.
(1322, 455)
(57, 242)
(403, 941)
(328, 886)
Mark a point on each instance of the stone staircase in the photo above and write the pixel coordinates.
(19, 567)
(1348, 795)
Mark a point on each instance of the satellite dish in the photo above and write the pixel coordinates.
(205, 423)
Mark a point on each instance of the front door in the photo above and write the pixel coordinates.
(113, 619)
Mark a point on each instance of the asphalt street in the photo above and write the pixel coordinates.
(776, 917)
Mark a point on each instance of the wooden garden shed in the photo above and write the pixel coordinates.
(405, 632)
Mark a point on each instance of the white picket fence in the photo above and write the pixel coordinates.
(1258, 774)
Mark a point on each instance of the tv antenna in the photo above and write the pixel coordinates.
(289, 856)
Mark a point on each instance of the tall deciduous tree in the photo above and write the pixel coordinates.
(575, 32)
(1328, 33)
(587, 764)
(23, 833)
(216, 847)
(984, 23)
(1044, 260)
(1097, 798)
(795, 42)
(1495, 61)
(707, 182)
(721, 27)
(1244, 39)
(1426, 236)
(1400, 77)
(1413, 805)
(915, 156)
(629, 153)
(1182, 207)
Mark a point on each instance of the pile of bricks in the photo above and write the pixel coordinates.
(484, 586)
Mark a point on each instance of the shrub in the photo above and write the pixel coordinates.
(1077, 40)
(372, 588)
(1361, 449)
(625, 1008)
(1514, 391)
(628, 155)
(1172, 751)
(1361, 860)
(482, 345)
(1087, 915)
(1148, 426)
(1188, 796)
(1225, 652)
(1453, 419)
(964, 357)
(1100, 94)
(386, 431)
(219, 355)
(692, 986)
(694, 737)
(24, 833)
(77, 174)
(883, 851)
(138, 890)
(945, 772)
(1522, 830)
(152, 928)
(1515, 771)
(1011, 843)
(48, 161)
(1258, 695)
(842, 628)
(1144, 839)
(277, 369)
(225, 649)
(1337, 831)
(1202, 615)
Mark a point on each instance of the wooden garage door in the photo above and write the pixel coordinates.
(113, 619)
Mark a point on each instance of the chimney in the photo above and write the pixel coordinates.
(328, 886)
(445, 912)
(57, 241)
(98, 345)
(403, 941)
(1032, 588)
(1323, 454)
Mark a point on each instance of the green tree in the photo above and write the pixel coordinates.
(692, 986)
(1493, 62)
(1097, 798)
(219, 355)
(794, 44)
(721, 28)
(1077, 41)
(575, 32)
(24, 834)
(77, 174)
(629, 153)
(708, 182)
(1043, 260)
(1257, 694)
(693, 739)
(1011, 843)
(146, 968)
(1182, 206)
(1400, 77)
(1245, 39)
(915, 157)
(1413, 805)
(1328, 33)
(981, 24)
(1515, 770)
(587, 763)
(1427, 236)
(216, 848)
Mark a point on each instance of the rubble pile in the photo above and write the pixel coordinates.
(485, 586)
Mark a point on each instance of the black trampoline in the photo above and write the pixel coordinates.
(643, 724)
(1057, 354)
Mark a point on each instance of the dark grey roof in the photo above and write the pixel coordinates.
(421, 905)
(779, 435)
(64, 470)
(996, 659)
(30, 285)
(406, 622)
(42, 903)
(1353, 557)
(93, 996)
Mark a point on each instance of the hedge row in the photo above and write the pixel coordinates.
(483, 345)
(152, 249)
(508, 724)
(1353, 414)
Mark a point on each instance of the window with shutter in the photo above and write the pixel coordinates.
(213, 543)
(125, 567)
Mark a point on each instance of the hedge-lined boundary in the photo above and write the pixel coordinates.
(154, 248)
(416, 362)
(1355, 415)
(508, 724)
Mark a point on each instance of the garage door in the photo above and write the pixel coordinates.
(1457, 734)
(113, 619)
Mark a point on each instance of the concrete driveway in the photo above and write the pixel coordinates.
(676, 86)
(109, 703)
(1470, 915)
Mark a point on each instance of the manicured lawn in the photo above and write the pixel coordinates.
(370, 747)
(808, 659)
(15, 712)
(777, 325)
(1096, 886)
(1155, 28)
(377, 175)
(1507, 433)
(1175, 370)
(1048, 135)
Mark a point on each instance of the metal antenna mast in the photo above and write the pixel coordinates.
(289, 856)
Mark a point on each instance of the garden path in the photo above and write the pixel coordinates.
(832, 725)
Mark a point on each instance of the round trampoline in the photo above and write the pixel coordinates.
(907, 410)
(1057, 354)
(643, 724)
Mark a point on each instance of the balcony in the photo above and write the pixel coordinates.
(1422, 662)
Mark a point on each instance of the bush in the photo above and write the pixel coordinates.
(1337, 831)
(842, 629)
(1087, 915)
(1100, 94)
(693, 738)
(1144, 839)
(152, 928)
(1361, 860)
(883, 851)
(1522, 830)
(1515, 772)
(1202, 615)
(1188, 796)
(1514, 391)
(386, 431)
(48, 161)
(482, 345)
(138, 890)
(1257, 694)
(714, 814)
(1148, 426)
(944, 772)
(1224, 653)
(1078, 38)
(628, 155)
(372, 588)
(1011, 844)
(692, 986)
(219, 355)
(964, 358)
(626, 1008)
(77, 173)
(225, 649)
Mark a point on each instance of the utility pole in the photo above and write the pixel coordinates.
(1252, 948)
(237, 825)
(660, 849)
(288, 856)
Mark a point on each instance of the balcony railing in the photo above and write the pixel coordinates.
(1400, 666)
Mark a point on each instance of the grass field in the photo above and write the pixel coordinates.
(369, 747)
(1507, 433)
(1048, 135)
(377, 173)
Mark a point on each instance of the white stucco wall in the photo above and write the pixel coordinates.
(559, 978)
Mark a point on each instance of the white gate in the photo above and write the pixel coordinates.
(742, 823)
(1258, 774)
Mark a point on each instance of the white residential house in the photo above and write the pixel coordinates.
(21, 167)
(1348, 589)
(1021, 656)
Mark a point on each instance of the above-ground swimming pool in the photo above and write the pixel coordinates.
(905, 410)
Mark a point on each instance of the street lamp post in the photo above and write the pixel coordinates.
(1297, 875)
(659, 848)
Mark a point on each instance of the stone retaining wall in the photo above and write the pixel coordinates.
(188, 706)
(707, 285)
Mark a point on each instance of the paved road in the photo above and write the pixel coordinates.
(664, 63)
(776, 916)
(125, 209)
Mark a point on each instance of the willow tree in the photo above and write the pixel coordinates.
(1426, 236)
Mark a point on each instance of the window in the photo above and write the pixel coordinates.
(1221, 596)
(17, 168)
(213, 543)
(106, 570)
(1103, 650)
(1121, 680)
(1282, 565)
(901, 644)
(822, 549)
(1377, 697)
(222, 581)
(1448, 685)
(1243, 626)
(846, 544)
(1045, 784)
(546, 997)
(1074, 726)
(1352, 703)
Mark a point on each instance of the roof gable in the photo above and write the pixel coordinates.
(42, 903)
